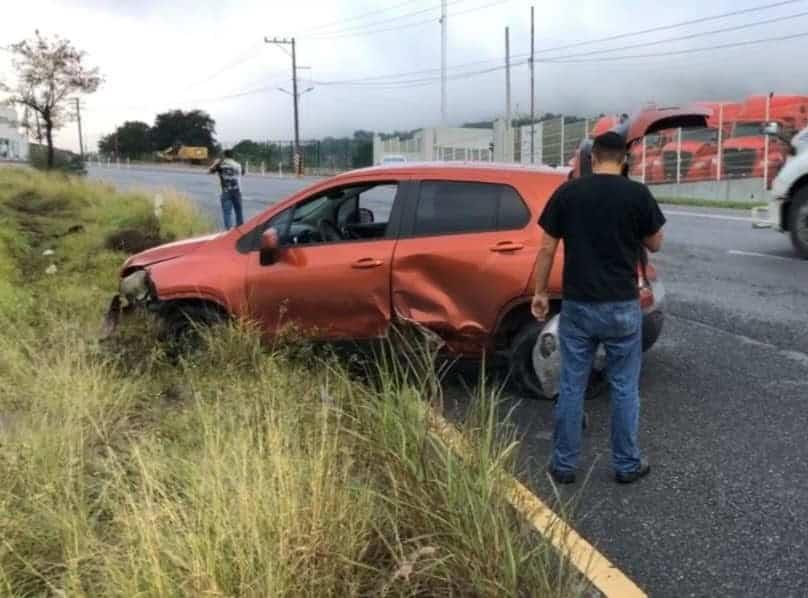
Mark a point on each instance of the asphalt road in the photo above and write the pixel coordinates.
(724, 415)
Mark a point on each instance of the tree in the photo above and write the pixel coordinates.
(195, 127)
(49, 71)
(131, 140)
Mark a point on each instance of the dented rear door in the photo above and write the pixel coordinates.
(467, 250)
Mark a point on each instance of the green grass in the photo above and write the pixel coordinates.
(242, 469)
(707, 203)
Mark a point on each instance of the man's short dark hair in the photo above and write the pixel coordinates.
(228, 153)
(609, 147)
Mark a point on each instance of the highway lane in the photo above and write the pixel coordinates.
(724, 411)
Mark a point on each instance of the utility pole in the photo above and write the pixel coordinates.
(78, 118)
(295, 97)
(532, 89)
(507, 78)
(444, 44)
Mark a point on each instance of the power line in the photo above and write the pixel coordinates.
(571, 59)
(249, 53)
(359, 17)
(587, 42)
(693, 35)
(410, 25)
(372, 24)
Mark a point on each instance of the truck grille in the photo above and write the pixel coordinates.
(739, 162)
(669, 164)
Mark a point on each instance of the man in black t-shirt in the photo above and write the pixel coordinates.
(606, 222)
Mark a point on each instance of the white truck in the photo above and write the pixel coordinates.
(787, 211)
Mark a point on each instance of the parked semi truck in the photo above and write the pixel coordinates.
(695, 158)
(744, 153)
(787, 210)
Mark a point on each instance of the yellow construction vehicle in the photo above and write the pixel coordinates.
(184, 153)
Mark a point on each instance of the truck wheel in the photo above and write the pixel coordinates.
(798, 222)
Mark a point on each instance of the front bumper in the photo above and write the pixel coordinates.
(138, 289)
(768, 216)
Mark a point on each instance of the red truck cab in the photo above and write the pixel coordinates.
(744, 152)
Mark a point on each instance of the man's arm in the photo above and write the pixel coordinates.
(544, 264)
(214, 167)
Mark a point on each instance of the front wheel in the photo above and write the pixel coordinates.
(798, 222)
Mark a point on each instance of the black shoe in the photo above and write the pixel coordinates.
(561, 477)
(627, 478)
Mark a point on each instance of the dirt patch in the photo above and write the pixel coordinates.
(137, 236)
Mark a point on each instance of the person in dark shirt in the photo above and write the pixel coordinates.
(607, 223)
(229, 172)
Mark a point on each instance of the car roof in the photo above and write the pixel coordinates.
(457, 168)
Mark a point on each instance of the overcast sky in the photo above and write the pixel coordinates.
(162, 54)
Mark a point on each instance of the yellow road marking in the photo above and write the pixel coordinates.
(599, 570)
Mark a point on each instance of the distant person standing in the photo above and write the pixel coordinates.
(229, 172)
(607, 223)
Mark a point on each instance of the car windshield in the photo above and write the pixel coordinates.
(699, 135)
(747, 129)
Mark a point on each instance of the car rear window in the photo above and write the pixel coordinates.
(447, 207)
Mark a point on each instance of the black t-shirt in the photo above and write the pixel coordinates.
(602, 219)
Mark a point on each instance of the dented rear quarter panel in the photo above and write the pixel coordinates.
(457, 284)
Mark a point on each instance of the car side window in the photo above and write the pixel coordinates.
(447, 207)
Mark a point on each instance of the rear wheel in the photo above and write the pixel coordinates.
(798, 222)
(523, 368)
(521, 360)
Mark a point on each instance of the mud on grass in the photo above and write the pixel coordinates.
(239, 470)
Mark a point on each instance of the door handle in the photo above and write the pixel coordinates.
(506, 246)
(367, 262)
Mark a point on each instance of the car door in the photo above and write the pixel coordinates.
(467, 250)
(330, 289)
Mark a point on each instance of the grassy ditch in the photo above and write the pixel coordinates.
(242, 470)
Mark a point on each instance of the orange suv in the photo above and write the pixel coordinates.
(451, 247)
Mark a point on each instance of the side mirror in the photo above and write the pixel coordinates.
(270, 246)
(772, 129)
(366, 216)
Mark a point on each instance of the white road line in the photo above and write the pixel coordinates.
(756, 254)
(708, 216)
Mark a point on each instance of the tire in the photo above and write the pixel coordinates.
(798, 222)
(183, 324)
(524, 375)
(521, 360)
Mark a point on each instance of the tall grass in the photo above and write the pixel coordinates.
(241, 470)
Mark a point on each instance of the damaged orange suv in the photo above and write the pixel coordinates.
(449, 246)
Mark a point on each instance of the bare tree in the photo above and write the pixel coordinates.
(49, 70)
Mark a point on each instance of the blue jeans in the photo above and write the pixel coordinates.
(582, 327)
(231, 202)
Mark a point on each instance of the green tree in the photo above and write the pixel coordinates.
(131, 140)
(49, 71)
(194, 127)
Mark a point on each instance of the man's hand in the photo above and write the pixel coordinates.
(540, 307)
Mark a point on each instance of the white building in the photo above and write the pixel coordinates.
(439, 143)
(13, 145)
